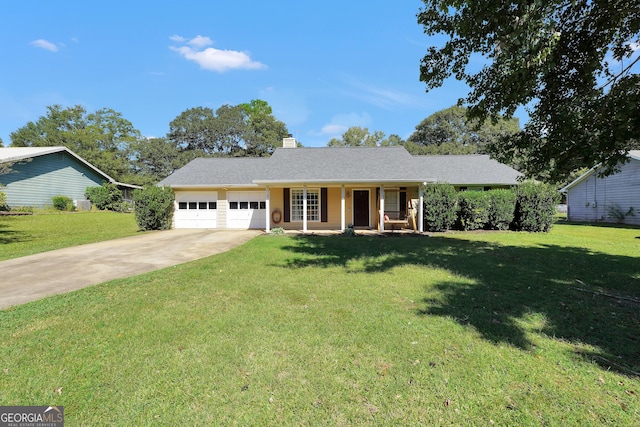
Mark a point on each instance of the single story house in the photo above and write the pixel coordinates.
(321, 188)
(614, 198)
(40, 173)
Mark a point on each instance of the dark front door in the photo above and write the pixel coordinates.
(361, 208)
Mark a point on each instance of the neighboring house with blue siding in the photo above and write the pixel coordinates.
(40, 173)
(614, 198)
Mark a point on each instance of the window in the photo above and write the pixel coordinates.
(244, 205)
(253, 205)
(263, 205)
(392, 201)
(233, 205)
(193, 205)
(202, 205)
(313, 204)
(213, 205)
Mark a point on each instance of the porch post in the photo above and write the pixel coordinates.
(268, 209)
(342, 212)
(304, 209)
(420, 210)
(381, 213)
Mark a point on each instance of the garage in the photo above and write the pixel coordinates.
(246, 209)
(196, 209)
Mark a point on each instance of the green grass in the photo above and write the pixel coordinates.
(454, 329)
(48, 230)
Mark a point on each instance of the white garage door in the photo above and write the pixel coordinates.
(247, 209)
(196, 209)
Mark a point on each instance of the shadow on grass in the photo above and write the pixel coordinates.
(569, 293)
(8, 236)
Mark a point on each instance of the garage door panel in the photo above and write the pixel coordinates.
(197, 209)
(247, 209)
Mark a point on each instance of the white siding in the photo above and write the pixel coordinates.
(594, 198)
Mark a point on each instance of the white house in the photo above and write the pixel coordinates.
(614, 198)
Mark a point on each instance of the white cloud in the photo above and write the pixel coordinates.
(341, 122)
(44, 44)
(200, 41)
(178, 39)
(214, 59)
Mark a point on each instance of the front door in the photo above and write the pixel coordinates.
(361, 208)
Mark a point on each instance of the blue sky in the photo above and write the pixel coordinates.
(322, 66)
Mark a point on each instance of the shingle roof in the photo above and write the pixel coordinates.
(468, 169)
(342, 165)
(11, 154)
(21, 153)
(240, 171)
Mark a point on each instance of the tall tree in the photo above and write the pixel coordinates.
(230, 130)
(156, 158)
(265, 132)
(357, 136)
(248, 129)
(570, 62)
(102, 138)
(191, 130)
(450, 131)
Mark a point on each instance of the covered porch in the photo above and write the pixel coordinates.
(314, 207)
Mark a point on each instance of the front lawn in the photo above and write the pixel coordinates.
(48, 230)
(454, 329)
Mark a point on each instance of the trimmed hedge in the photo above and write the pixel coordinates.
(439, 207)
(154, 207)
(502, 208)
(473, 210)
(530, 207)
(535, 206)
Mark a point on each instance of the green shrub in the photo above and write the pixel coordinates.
(473, 210)
(63, 203)
(154, 207)
(535, 206)
(501, 209)
(105, 197)
(3, 202)
(277, 231)
(349, 231)
(439, 207)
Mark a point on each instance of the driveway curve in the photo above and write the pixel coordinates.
(36, 276)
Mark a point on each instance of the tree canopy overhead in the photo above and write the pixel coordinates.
(569, 62)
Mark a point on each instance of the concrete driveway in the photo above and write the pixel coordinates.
(36, 276)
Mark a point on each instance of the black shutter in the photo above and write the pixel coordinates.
(323, 205)
(287, 205)
(403, 204)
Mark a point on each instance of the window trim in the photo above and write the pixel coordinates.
(294, 209)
